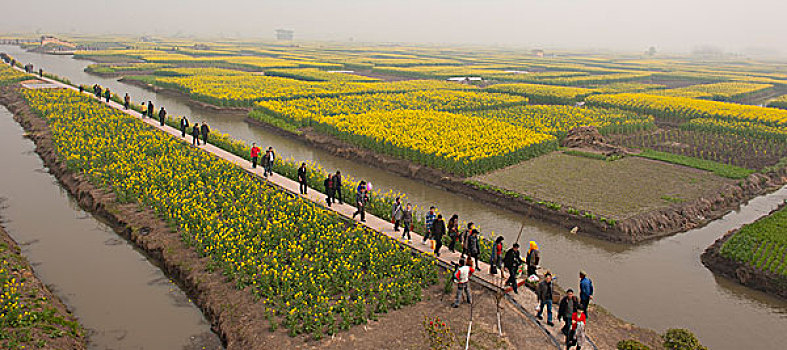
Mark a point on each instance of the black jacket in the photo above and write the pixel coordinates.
(438, 229)
(337, 181)
(204, 129)
(162, 114)
(195, 131)
(328, 184)
(564, 311)
(472, 245)
(302, 175)
(544, 291)
(512, 259)
(184, 123)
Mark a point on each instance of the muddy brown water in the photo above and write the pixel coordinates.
(122, 299)
(658, 285)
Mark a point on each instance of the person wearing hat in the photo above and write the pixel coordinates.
(544, 292)
(568, 305)
(585, 290)
(532, 259)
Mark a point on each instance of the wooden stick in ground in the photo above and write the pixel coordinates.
(520, 232)
(469, 326)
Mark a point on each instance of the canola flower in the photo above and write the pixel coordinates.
(545, 93)
(308, 110)
(314, 74)
(685, 109)
(243, 90)
(779, 102)
(558, 120)
(9, 75)
(24, 310)
(313, 272)
(717, 91)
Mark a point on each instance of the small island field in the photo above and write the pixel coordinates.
(616, 189)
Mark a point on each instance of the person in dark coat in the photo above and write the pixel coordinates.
(162, 115)
(396, 213)
(81, 88)
(126, 101)
(184, 125)
(438, 231)
(150, 109)
(302, 184)
(337, 186)
(407, 221)
(512, 261)
(328, 185)
(195, 135)
(496, 258)
(107, 94)
(473, 246)
(205, 130)
(453, 232)
(544, 292)
(269, 161)
(98, 92)
(567, 307)
(361, 198)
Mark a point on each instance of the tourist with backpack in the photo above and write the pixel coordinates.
(396, 213)
(328, 184)
(407, 221)
(453, 233)
(428, 220)
(544, 292)
(532, 259)
(438, 231)
(255, 154)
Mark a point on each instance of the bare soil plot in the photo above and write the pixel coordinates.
(617, 189)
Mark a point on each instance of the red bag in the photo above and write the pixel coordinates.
(412, 227)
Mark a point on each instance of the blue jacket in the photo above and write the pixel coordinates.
(585, 289)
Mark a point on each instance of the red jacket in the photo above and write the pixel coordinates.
(255, 151)
(576, 318)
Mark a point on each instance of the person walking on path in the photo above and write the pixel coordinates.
(184, 125)
(496, 258)
(360, 201)
(195, 135)
(577, 336)
(41, 72)
(107, 94)
(532, 259)
(150, 109)
(544, 292)
(585, 291)
(407, 221)
(473, 246)
(453, 232)
(302, 185)
(204, 129)
(396, 213)
(126, 101)
(162, 115)
(98, 92)
(438, 231)
(337, 186)
(462, 278)
(328, 184)
(255, 153)
(464, 236)
(268, 161)
(428, 221)
(81, 88)
(512, 262)
(566, 309)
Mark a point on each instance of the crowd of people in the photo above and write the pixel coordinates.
(572, 311)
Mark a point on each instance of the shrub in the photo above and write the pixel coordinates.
(631, 345)
(681, 339)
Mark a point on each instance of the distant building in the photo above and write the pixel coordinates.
(284, 34)
(538, 53)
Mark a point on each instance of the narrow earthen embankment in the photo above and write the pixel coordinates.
(36, 290)
(743, 273)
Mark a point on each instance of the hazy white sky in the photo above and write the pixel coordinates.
(617, 24)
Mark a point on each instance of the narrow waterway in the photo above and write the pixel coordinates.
(121, 298)
(658, 285)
